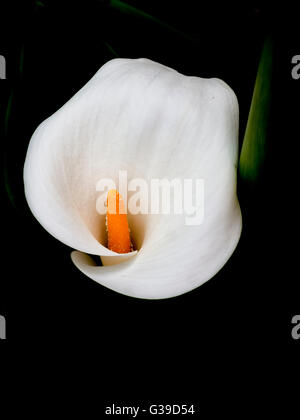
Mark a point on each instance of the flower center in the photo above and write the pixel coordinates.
(116, 224)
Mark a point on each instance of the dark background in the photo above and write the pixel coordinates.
(240, 320)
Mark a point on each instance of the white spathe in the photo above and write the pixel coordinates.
(151, 121)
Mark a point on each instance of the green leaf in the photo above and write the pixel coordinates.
(254, 145)
(111, 49)
(127, 8)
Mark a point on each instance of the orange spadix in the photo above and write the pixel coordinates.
(117, 224)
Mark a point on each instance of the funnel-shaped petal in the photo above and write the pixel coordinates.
(144, 118)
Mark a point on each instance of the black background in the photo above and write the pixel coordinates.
(240, 320)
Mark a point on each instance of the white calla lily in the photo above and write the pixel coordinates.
(147, 119)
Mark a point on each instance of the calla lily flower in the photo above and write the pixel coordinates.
(139, 116)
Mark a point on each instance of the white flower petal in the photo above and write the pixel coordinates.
(147, 119)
